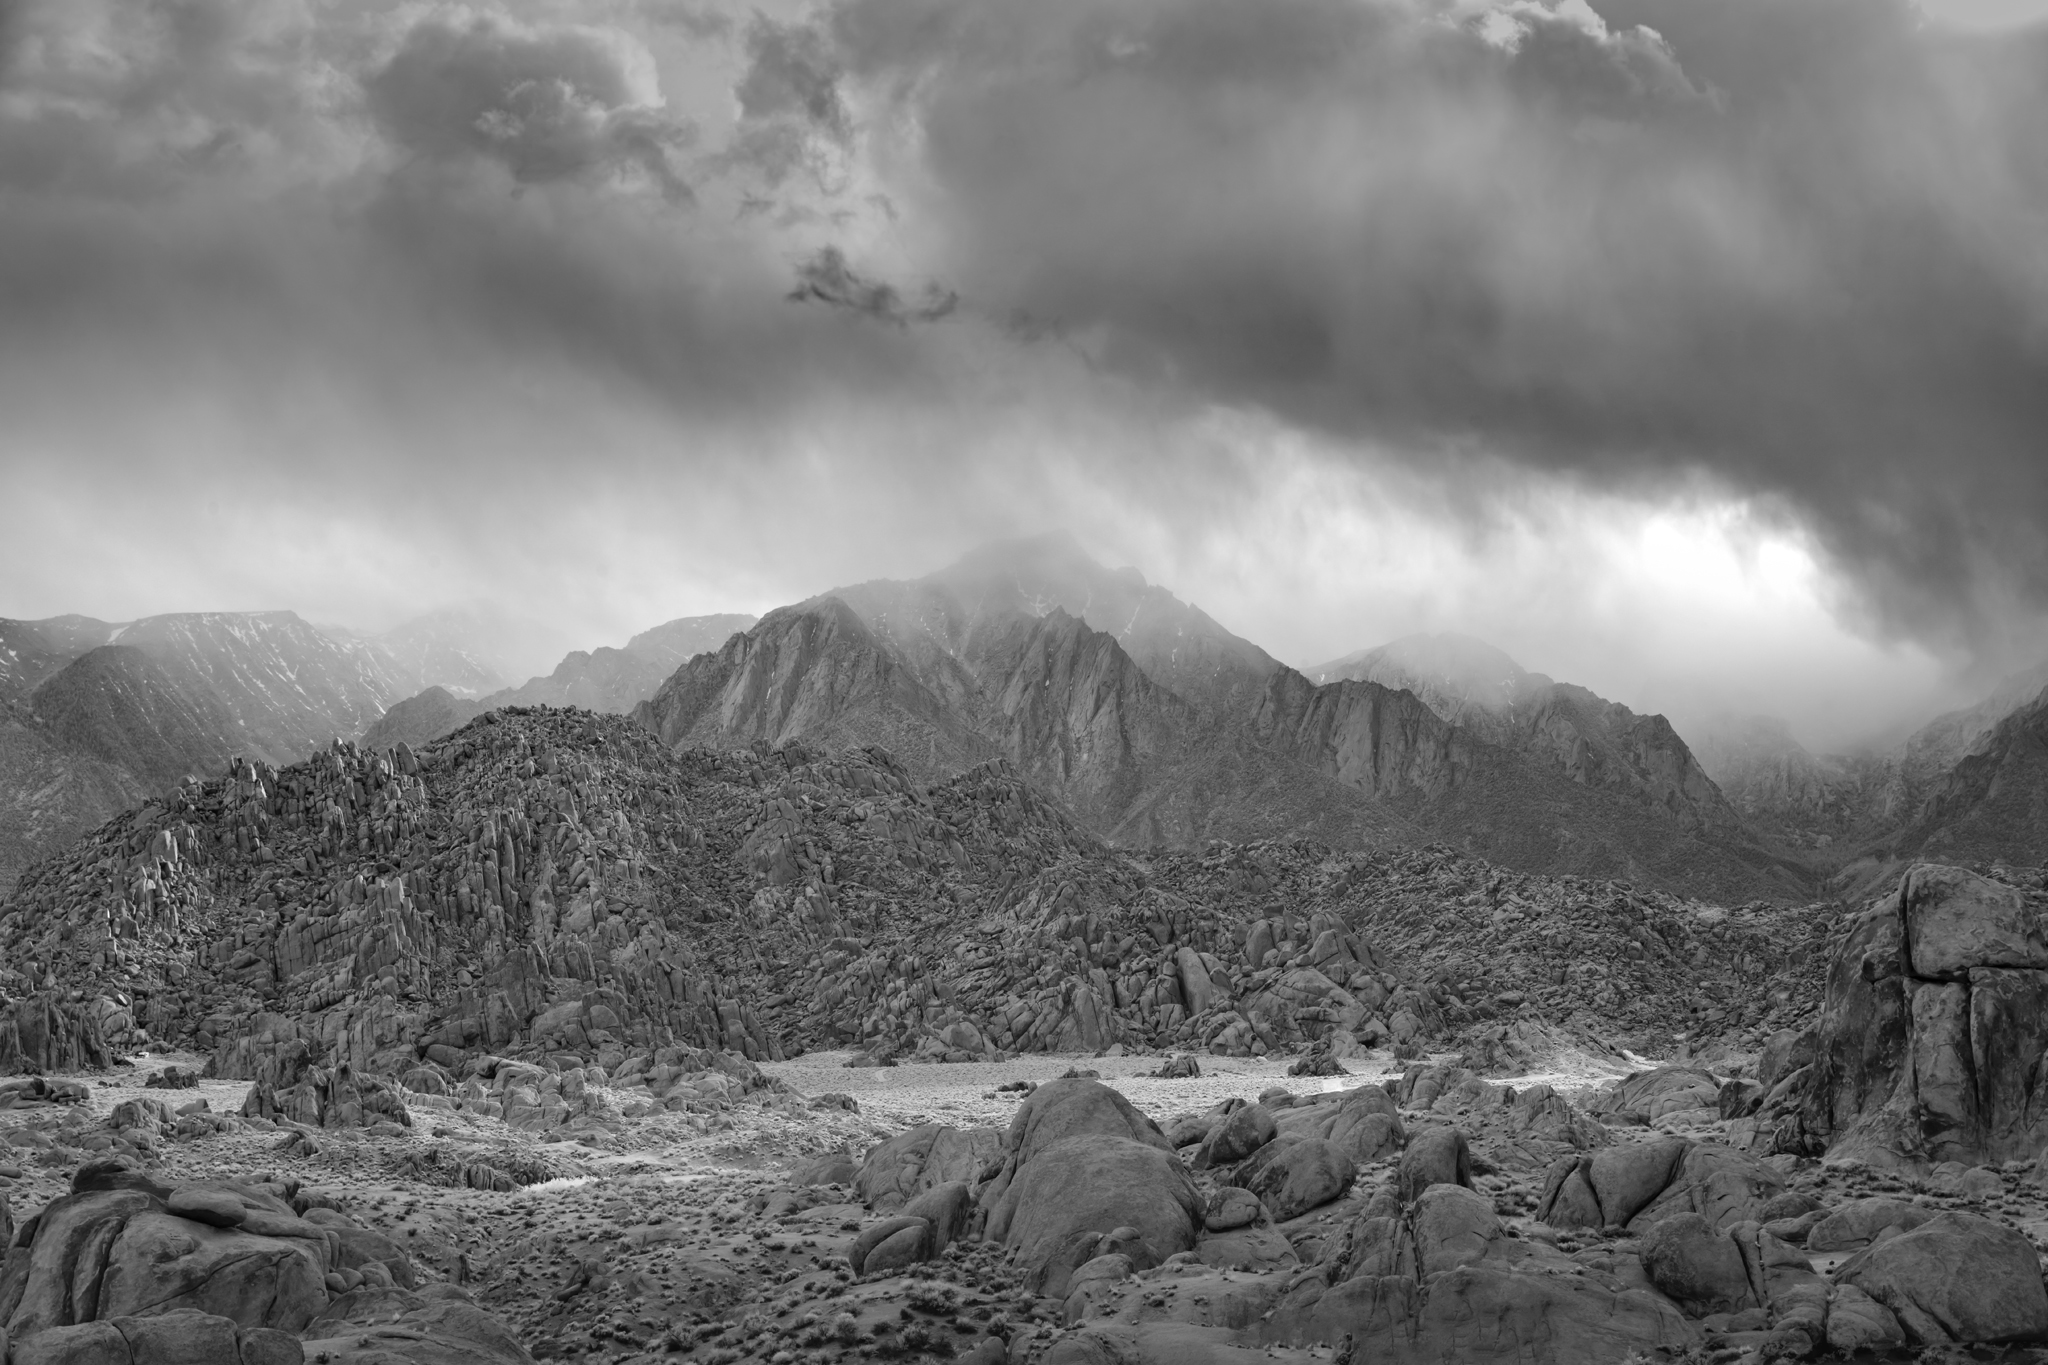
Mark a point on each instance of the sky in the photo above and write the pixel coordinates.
(1694, 350)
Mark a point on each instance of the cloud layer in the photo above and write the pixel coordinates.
(623, 297)
(1795, 244)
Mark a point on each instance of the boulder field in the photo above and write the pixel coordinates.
(1440, 1217)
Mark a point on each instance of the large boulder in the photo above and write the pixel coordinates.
(1083, 1163)
(1957, 1277)
(1243, 1131)
(1858, 1223)
(1072, 1106)
(924, 1158)
(1935, 1014)
(1364, 1124)
(1093, 1185)
(1435, 1156)
(181, 1337)
(1641, 1184)
(116, 1253)
(1290, 1176)
(386, 1326)
(1658, 1094)
(1699, 1267)
(130, 1271)
(45, 1032)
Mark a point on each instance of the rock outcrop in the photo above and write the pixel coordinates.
(1927, 1046)
(124, 1269)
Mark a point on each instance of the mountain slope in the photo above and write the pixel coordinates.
(1175, 644)
(122, 706)
(1865, 807)
(813, 672)
(1990, 806)
(421, 718)
(51, 794)
(31, 651)
(617, 680)
(1558, 726)
(290, 688)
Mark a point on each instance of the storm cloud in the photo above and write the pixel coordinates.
(1793, 244)
(790, 286)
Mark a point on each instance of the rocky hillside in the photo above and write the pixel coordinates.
(1154, 725)
(548, 880)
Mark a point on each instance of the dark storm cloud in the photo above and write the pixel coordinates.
(1794, 244)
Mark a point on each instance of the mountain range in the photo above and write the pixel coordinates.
(1156, 726)
(1151, 723)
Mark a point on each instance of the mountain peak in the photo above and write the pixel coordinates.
(1457, 666)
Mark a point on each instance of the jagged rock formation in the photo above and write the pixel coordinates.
(1156, 726)
(553, 883)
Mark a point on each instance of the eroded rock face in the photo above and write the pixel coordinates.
(1935, 1017)
(46, 1033)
